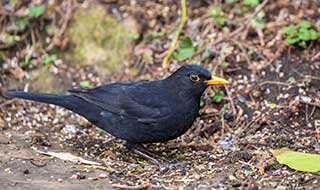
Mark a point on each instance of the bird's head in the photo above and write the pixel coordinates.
(195, 79)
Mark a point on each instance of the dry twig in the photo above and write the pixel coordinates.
(66, 20)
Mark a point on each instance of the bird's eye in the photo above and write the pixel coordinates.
(194, 78)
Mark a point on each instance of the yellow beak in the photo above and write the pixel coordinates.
(216, 80)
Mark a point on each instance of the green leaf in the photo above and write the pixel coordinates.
(85, 84)
(101, 131)
(261, 14)
(302, 44)
(184, 54)
(225, 64)
(132, 170)
(22, 24)
(231, 1)
(49, 59)
(289, 30)
(26, 62)
(251, 3)
(298, 160)
(186, 42)
(291, 80)
(141, 162)
(133, 36)
(187, 50)
(272, 105)
(305, 25)
(218, 95)
(247, 172)
(181, 156)
(292, 40)
(304, 34)
(314, 35)
(220, 20)
(257, 23)
(216, 11)
(36, 11)
(232, 177)
(157, 34)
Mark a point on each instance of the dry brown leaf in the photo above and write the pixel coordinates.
(69, 157)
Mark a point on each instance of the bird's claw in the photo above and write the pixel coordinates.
(141, 151)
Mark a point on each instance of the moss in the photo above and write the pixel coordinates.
(97, 40)
(42, 80)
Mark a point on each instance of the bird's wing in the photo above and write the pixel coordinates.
(141, 101)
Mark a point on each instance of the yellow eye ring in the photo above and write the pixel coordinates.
(194, 78)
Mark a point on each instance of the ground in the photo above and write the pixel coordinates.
(272, 102)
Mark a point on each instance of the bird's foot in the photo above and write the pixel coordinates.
(141, 151)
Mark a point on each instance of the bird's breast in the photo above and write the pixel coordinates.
(184, 119)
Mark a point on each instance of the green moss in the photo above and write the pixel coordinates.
(42, 80)
(97, 40)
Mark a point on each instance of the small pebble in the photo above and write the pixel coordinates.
(60, 180)
(241, 99)
(103, 176)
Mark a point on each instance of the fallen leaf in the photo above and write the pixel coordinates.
(297, 160)
(211, 110)
(18, 73)
(68, 157)
(85, 84)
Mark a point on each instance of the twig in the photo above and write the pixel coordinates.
(306, 114)
(176, 37)
(6, 103)
(248, 19)
(310, 103)
(137, 187)
(230, 99)
(231, 35)
(305, 75)
(63, 28)
(222, 124)
(274, 82)
(10, 14)
(248, 164)
(277, 55)
(312, 112)
(315, 57)
(38, 165)
(246, 25)
(257, 10)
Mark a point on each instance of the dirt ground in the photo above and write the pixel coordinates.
(272, 102)
(29, 172)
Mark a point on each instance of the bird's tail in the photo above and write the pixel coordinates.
(56, 99)
(70, 102)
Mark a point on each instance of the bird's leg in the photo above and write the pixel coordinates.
(144, 150)
(141, 151)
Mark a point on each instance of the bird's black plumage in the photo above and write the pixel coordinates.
(137, 112)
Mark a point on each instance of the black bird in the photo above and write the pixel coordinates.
(138, 112)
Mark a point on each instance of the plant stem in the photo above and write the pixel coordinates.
(176, 37)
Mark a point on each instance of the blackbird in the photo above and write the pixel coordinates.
(138, 112)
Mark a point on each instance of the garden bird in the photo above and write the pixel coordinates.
(138, 112)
